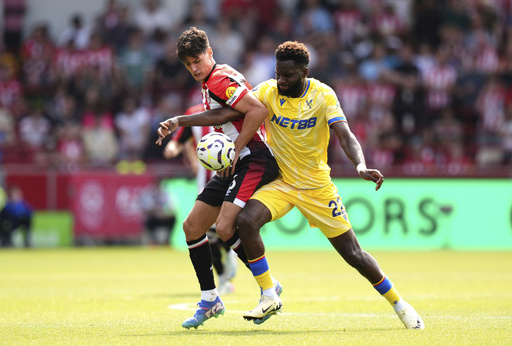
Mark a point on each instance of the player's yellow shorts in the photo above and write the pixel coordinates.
(322, 207)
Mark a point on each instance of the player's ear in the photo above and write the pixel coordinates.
(305, 71)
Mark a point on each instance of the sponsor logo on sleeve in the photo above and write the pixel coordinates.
(230, 91)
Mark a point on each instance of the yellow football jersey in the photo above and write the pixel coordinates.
(298, 131)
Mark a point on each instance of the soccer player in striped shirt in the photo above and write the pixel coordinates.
(224, 195)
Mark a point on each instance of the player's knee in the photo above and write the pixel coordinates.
(191, 231)
(244, 221)
(225, 230)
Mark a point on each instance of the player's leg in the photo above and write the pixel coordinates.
(224, 285)
(250, 221)
(268, 203)
(195, 226)
(227, 231)
(348, 247)
(215, 245)
(226, 228)
(230, 260)
(333, 222)
(201, 218)
(252, 172)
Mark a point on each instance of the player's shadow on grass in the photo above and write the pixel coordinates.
(252, 332)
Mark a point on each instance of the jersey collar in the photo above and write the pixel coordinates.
(209, 74)
(306, 90)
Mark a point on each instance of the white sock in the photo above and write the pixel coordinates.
(209, 295)
(400, 305)
(271, 292)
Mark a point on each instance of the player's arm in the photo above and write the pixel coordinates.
(176, 144)
(255, 113)
(354, 152)
(207, 118)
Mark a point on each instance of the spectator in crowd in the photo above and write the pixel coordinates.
(135, 61)
(198, 17)
(455, 13)
(377, 65)
(312, 18)
(242, 15)
(165, 107)
(70, 152)
(259, 64)
(427, 24)
(37, 57)
(439, 81)
(384, 20)
(36, 134)
(100, 142)
(420, 154)
(62, 106)
(117, 33)
(11, 88)
(168, 75)
(228, 44)
(15, 214)
(109, 17)
(491, 107)
(348, 20)
(152, 16)
(67, 62)
(76, 32)
(408, 103)
(133, 126)
(7, 129)
(13, 21)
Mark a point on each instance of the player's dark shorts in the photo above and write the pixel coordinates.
(251, 173)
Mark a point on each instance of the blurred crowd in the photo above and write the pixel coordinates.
(424, 83)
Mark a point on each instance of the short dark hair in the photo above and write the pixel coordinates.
(293, 50)
(192, 42)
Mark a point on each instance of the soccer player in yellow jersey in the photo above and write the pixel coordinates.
(301, 113)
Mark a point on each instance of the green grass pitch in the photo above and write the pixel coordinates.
(140, 296)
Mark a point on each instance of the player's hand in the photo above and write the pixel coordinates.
(235, 160)
(165, 128)
(231, 169)
(373, 175)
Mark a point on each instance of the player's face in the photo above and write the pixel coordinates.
(200, 66)
(291, 78)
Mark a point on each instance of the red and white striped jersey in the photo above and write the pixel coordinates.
(381, 93)
(487, 59)
(439, 81)
(68, 62)
(10, 92)
(491, 106)
(225, 87)
(352, 97)
(102, 57)
(387, 24)
(347, 23)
